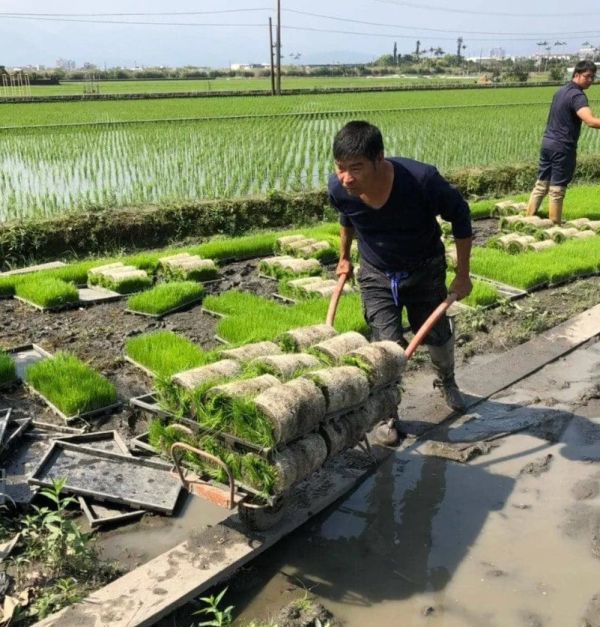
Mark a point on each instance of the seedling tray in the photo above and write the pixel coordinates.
(149, 403)
(50, 265)
(25, 356)
(9, 441)
(100, 514)
(96, 294)
(508, 291)
(4, 418)
(173, 310)
(213, 314)
(141, 444)
(109, 441)
(123, 479)
(101, 411)
(47, 309)
(138, 365)
(284, 299)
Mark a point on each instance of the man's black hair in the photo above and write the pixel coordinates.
(358, 139)
(585, 66)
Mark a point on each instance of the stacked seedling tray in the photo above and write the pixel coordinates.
(120, 278)
(187, 267)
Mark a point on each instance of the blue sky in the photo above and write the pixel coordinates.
(369, 29)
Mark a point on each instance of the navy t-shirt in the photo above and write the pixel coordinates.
(404, 231)
(564, 125)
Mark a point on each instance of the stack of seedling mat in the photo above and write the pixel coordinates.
(508, 208)
(301, 246)
(119, 278)
(186, 267)
(285, 266)
(585, 224)
(526, 224)
(275, 412)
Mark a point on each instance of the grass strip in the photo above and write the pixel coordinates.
(165, 353)
(8, 371)
(69, 384)
(47, 292)
(165, 297)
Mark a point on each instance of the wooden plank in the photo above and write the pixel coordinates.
(156, 588)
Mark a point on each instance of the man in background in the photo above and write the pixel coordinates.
(559, 144)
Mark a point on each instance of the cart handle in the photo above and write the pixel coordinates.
(438, 312)
(208, 457)
(335, 298)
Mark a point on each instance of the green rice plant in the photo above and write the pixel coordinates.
(70, 385)
(47, 292)
(533, 269)
(165, 297)
(359, 362)
(8, 371)
(258, 473)
(165, 353)
(269, 319)
(245, 247)
(127, 285)
(482, 294)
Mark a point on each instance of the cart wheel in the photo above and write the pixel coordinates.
(258, 517)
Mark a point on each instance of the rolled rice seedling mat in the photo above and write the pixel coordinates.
(383, 362)
(338, 435)
(299, 265)
(594, 225)
(559, 234)
(286, 366)
(504, 240)
(313, 247)
(282, 242)
(543, 245)
(578, 223)
(242, 388)
(301, 338)
(292, 247)
(451, 257)
(344, 387)
(94, 273)
(293, 408)
(332, 350)
(381, 405)
(507, 208)
(246, 353)
(519, 244)
(583, 234)
(304, 457)
(192, 269)
(305, 282)
(197, 377)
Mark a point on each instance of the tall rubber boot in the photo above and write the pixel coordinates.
(555, 206)
(442, 358)
(540, 190)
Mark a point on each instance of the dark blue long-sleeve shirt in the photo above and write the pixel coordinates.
(404, 231)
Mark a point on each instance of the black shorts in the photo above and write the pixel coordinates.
(421, 292)
(557, 167)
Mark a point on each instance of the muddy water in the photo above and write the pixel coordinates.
(512, 538)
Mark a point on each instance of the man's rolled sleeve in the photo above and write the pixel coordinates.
(447, 202)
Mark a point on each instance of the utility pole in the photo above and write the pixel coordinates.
(279, 47)
(271, 57)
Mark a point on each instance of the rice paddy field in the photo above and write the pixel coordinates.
(73, 156)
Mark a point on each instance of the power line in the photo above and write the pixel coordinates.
(438, 30)
(144, 14)
(125, 22)
(430, 7)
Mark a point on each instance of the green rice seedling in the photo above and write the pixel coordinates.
(326, 256)
(70, 385)
(482, 294)
(47, 292)
(359, 362)
(258, 473)
(8, 371)
(165, 353)
(165, 297)
(246, 247)
(175, 273)
(8, 286)
(143, 261)
(280, 273)
(126, 285)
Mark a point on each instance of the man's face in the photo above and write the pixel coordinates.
(585, 79)
(355, 174)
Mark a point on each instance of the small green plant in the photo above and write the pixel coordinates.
(8, 371)
(166, 296)
(69, 384)
(47, 292)
(165, 353)
(218, 617)
(65, 591)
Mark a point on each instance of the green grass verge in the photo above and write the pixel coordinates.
(47, 292)
(165, 297)
(70, 385)
(165, 353)
(8, 371)
(269, 319)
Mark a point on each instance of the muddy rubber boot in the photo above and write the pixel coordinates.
(386, 434)
(540, 190)
(555, 206)
(442, 358)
